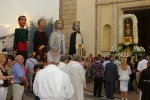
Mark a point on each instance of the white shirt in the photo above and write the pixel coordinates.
(61, 64)
(78, 38)
(52, 84)
(141, 64)
(117, 62)
(104, 63)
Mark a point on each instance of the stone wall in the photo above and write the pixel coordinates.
(68, 10)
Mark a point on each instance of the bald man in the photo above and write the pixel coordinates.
(20, 79)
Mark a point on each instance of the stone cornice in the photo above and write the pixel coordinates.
(115, 1)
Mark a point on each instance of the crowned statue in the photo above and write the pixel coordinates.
(57, 38)
(76, 40)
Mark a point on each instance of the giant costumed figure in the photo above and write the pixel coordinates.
(40, 39)
(57, 38)
(76, 40)
(21, 38)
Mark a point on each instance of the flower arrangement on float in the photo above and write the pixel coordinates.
(138, 50)
(124, 54)
(113, 50)
(127, 51)
(128, 46)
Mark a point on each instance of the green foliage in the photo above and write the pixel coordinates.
(33, 27)
(132, 46)
(123, 46)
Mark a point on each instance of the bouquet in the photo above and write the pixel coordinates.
(113, 50)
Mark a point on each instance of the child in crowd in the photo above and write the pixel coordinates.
(81, 61)
(6, 67)
(36, 69)
(9, 92)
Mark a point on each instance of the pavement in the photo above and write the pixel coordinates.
(88, 94)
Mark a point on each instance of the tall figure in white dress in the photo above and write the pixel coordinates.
(57, 38)
(124, 72)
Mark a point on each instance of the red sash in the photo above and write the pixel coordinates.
(21, 46)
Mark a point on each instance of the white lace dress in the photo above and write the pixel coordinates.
(124, 78)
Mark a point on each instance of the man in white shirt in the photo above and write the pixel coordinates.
(51, 83)
(77, 75)
(105, 62)
(142, 63)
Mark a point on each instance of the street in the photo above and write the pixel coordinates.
(88, 94)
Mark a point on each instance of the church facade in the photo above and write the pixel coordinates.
(99, 22)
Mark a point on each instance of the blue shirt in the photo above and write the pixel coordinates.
(18, 71)
(30, 63)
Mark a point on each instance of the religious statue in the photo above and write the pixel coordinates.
(57, 38)
(128, 39)
(128, 29)
(76, 40)
(21, 38)
(128, 49)
(40, 39)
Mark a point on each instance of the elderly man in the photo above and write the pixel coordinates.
(20, 79)
(77, 75)
(51, 83)
(30, 62)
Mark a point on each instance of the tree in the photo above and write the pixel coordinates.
(33, 27)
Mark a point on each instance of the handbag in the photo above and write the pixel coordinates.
(1, 82)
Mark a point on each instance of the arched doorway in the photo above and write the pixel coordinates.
(143, 17)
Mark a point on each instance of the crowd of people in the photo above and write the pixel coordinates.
(64, 78)
(57, 83)
(116, 74)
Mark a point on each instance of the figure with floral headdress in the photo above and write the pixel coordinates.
(57, 38)
(76, 40)
(40, 39)
(21, 38)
